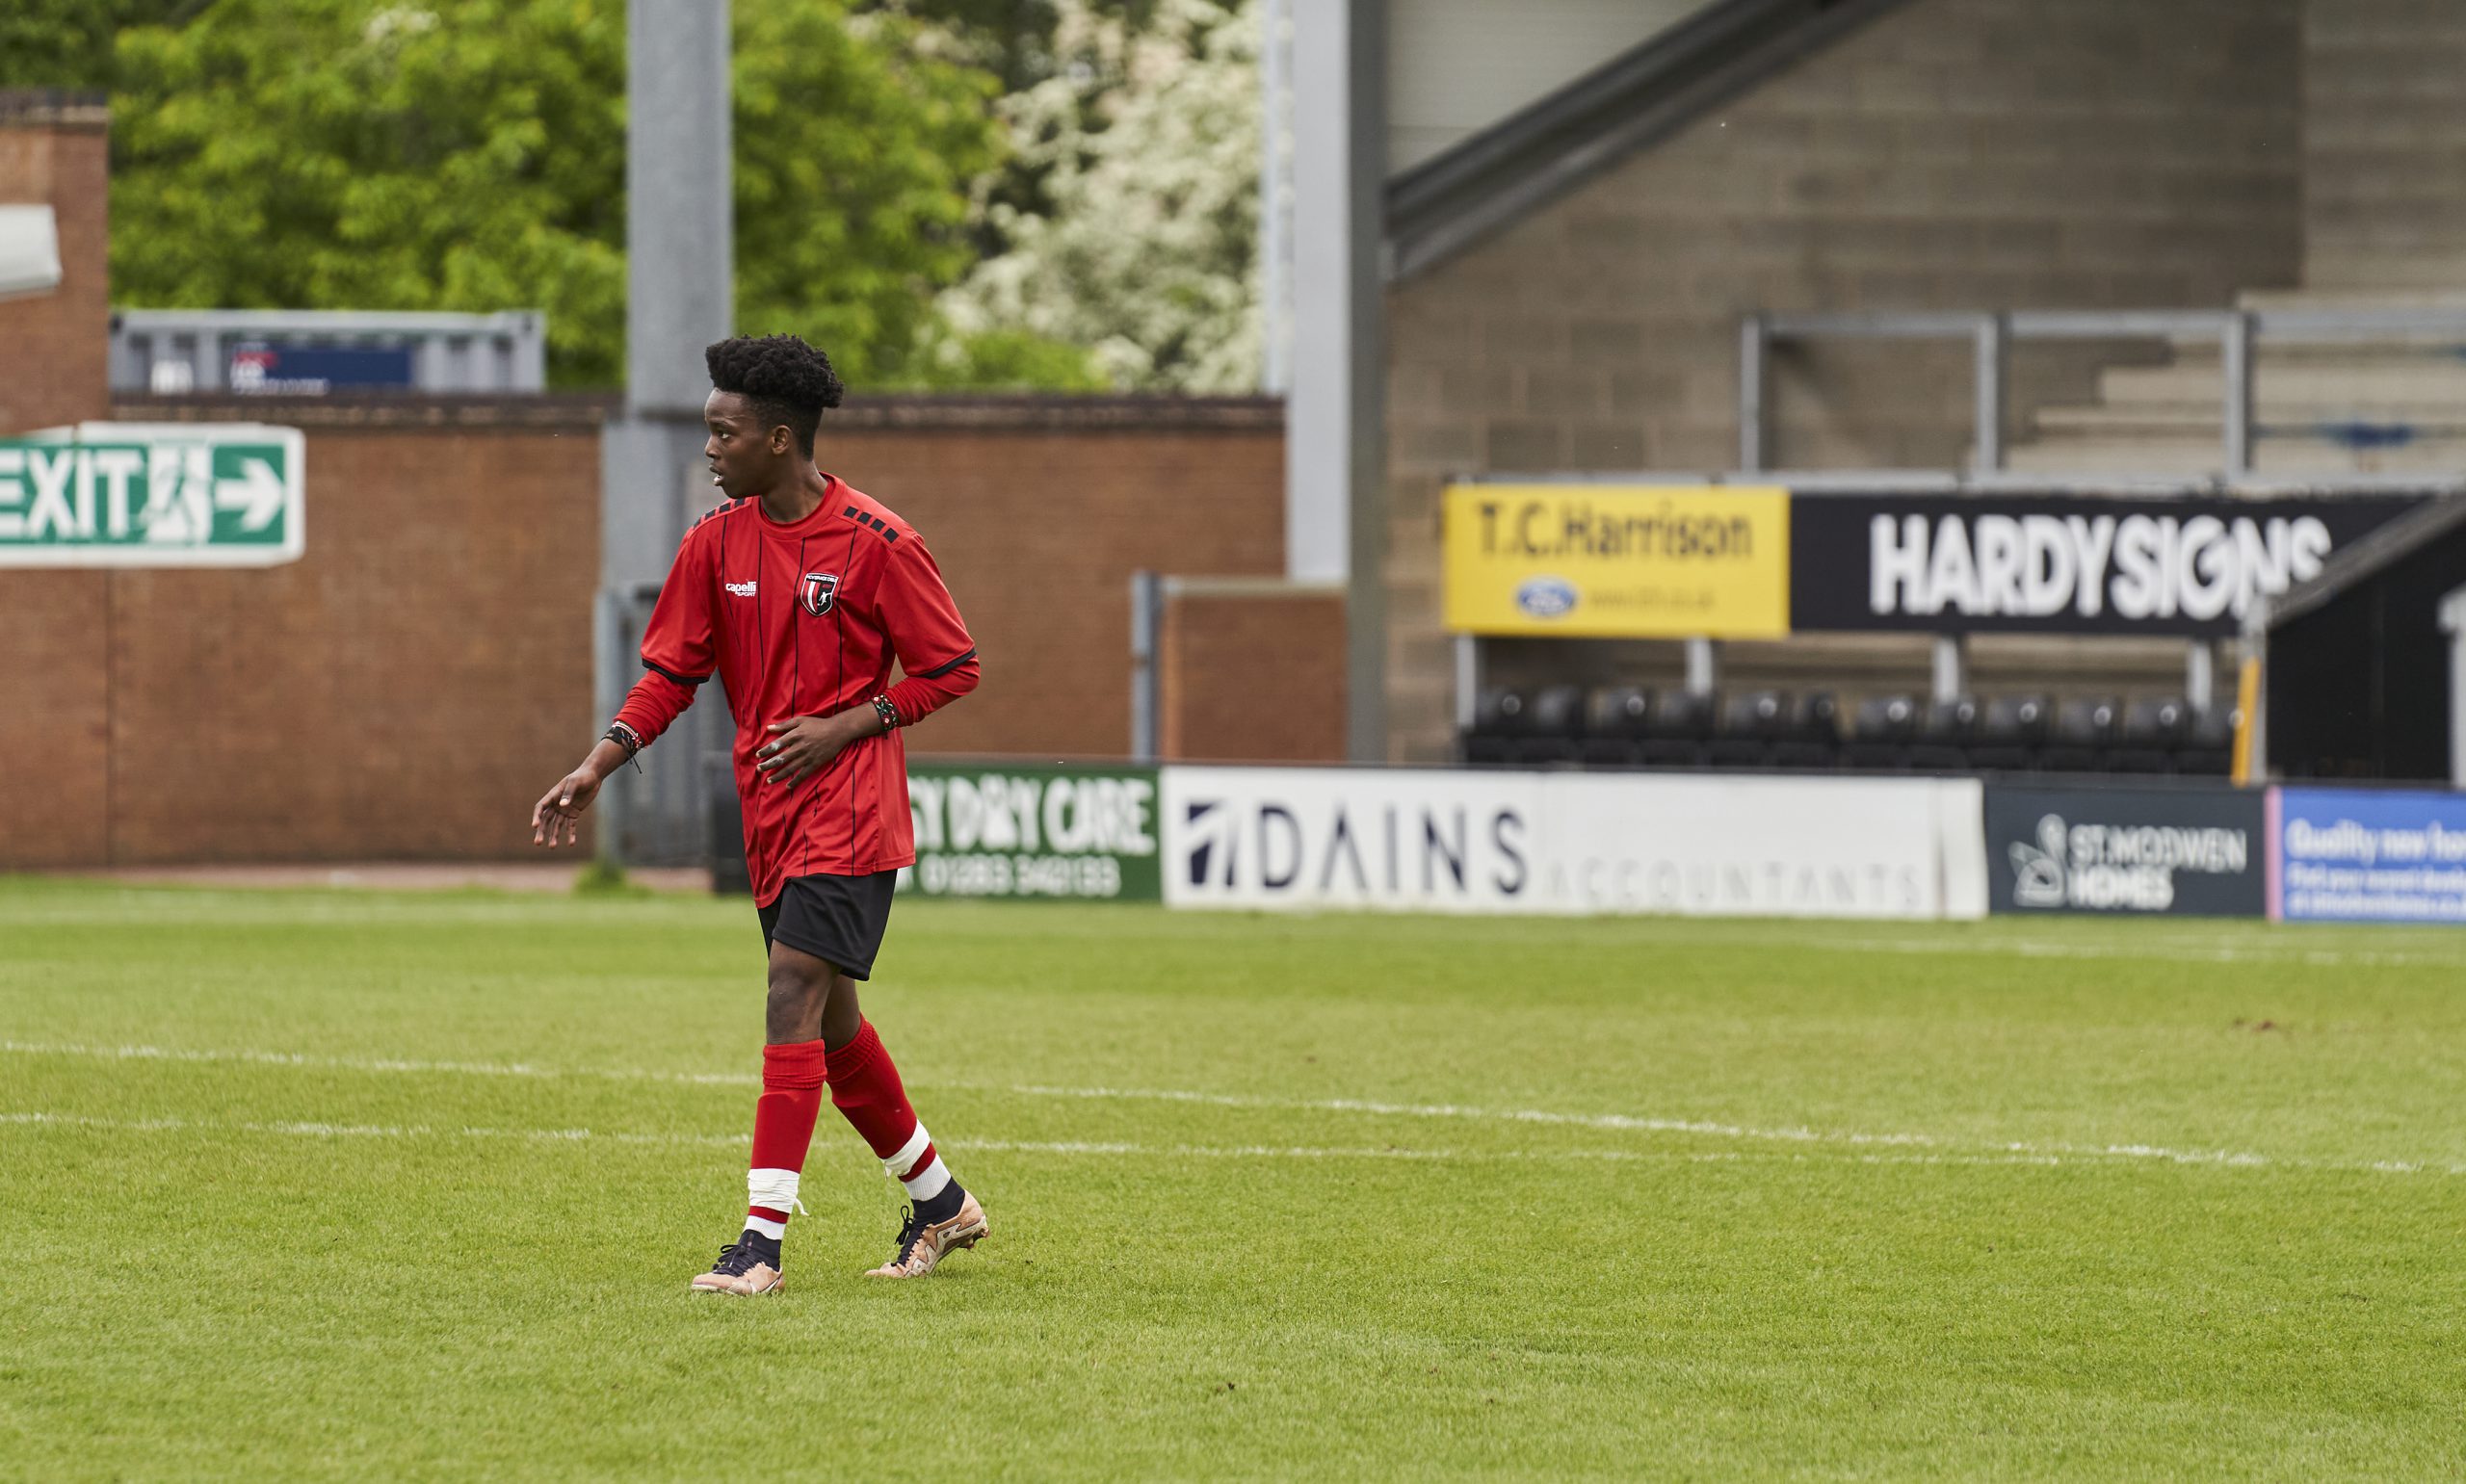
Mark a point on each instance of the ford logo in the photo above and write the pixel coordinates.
(1546, 597)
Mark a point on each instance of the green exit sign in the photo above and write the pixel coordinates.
(152, 495)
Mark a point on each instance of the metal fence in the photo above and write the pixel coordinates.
(2239, 333)
(170, 351)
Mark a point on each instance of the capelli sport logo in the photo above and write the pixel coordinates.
(820, 590)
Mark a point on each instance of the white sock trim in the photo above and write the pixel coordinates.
(898, 1165)
(928, 1183)
(776, 1230)
(774, 1189)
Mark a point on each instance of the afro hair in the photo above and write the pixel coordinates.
(788, 381)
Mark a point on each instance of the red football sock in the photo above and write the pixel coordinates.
(865, 1087)
(783, 1120)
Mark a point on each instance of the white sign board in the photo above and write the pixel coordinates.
(1696, 845)
(1701, 844)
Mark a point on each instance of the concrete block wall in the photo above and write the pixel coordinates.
(2384, 145)
(1953, 154)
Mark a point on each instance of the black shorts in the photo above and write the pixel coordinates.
(836, 918)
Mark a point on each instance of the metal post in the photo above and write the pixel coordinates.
(2200, 675)
(611, 644)
(1147, 708)
(1335, 491)
(1703, 667)
(1468, 678)
(2235, 356)
(2453, 622)
(1753, 345)
(680, 296)
(1951, 658)
(1994, 337)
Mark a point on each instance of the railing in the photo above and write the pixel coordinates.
(168, 352)
(2238, 335)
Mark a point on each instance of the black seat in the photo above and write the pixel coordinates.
(1944, 739)
(1675, 730)
(1554, 726)
(1499, 725)
(2209, 747)
(1615, 722)
(1882, 730)
(2153, 731)
(1752, 723)
(2010, 731)
(2084, 732)
(1810, 732)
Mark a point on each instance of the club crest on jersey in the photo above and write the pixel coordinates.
(819, 589)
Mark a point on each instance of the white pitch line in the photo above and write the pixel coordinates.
(294, 1128)
(1617, 1123)
(386, 1064)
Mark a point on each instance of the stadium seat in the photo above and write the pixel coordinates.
(2010, 731)
(1752, 724)
(1554, 726)
(1884, 730)
(2209, 747)
(1944, 741)
(1810, 734)
(1499, 724)
(1676, 729)
(1616, 717)
(2084, 732)
(2153, 731)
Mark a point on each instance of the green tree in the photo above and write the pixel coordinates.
(1138, 237)
(68, 44)
(373, 154)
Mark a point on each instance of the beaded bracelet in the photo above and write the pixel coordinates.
(624, 737)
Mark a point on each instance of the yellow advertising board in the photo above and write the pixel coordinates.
(1618, 560)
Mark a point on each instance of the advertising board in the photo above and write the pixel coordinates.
(2128, 852)
(1032, 832)
(2059, 564)
(1319, 839)
(1710, 845)
(2352, 855)
(1606, 560)
(1332, 837)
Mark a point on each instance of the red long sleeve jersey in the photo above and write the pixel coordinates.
(804, 620)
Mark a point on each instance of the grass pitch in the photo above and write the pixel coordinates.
(318, 1185)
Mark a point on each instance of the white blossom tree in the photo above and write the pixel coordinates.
(1144, 247)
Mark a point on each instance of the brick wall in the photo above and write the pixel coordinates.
(2384, 145)
(54, 708)
(1252, 673)
(403, 691)
(407, 688)
(53, 152)
(1039, 511)
(1954, 154)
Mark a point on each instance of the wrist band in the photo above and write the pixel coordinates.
(889, 712)
(624, 737)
